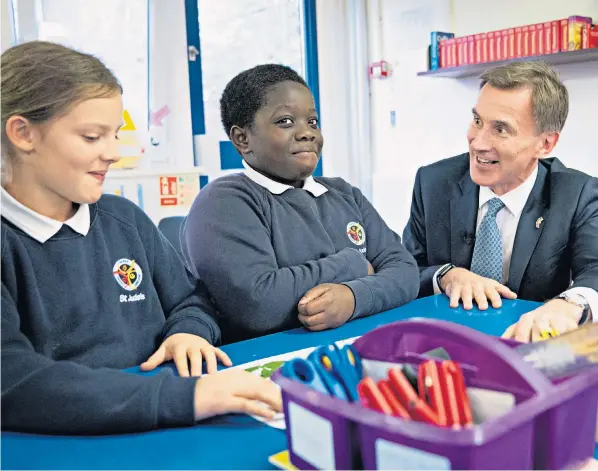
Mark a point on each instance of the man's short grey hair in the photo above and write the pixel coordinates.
(550, 99)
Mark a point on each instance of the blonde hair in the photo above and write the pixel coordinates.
(43, 80)
(550, 99)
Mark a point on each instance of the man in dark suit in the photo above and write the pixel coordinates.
(503, 220)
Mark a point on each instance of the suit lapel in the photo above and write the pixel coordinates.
(529, 231)
(464, 212)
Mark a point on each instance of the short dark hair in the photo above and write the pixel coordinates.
(245, 94)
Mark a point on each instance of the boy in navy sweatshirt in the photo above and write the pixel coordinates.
(89, 284)
(276, 247)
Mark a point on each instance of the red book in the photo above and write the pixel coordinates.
(491, 46)
(453, 51)
(556, 43)
(484, 47)
(548, 38)
(533, 40)
(442, 54)
(592, 36)
(525, 41)
(451, 59)
(471, 49)
(498, 42)
(564, 35)
(540, 37)
(511, 43)
(505, 43)
(585, 40)
(518, 42)
(478, 48)
(460, 58)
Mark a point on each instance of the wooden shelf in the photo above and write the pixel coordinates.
(569, 57)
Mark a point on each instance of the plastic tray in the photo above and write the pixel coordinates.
(552, 425)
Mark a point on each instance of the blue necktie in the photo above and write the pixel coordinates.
(487, 252)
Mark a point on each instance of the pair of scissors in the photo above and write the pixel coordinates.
(330, 370)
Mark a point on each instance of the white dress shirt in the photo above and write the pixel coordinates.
(277, 188)
(507, 220)
(41, 228)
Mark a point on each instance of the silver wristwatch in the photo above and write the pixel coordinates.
(578, 300)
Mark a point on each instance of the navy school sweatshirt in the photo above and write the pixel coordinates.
(259, 252)
(77, 309)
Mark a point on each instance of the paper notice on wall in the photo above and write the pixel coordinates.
(178, 190)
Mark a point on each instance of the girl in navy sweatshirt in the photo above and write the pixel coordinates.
(89, 284)
(276, 247)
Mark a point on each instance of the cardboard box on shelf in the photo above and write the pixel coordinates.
(575, 25)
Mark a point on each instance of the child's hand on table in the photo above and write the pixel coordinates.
(326, 306)
(236, 391)
(187, 349)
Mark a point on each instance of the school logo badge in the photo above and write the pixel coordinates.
(356, 233)
(127, 274)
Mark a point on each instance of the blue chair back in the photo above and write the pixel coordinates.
(171, 228)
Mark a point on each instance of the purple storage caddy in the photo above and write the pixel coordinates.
(552, 426)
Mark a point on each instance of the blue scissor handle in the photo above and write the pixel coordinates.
(328, 369)
(353, 372)
(326, 364)
(340, 368)
(303, 371)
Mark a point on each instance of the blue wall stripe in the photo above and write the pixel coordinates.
(229, 157)
(140, 195)
(203, 181)
(198, 124)
(13, 33)
(148, 59)
(311, 59)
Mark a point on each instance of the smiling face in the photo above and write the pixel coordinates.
(504, 147)
(284, 142)
(65, 160)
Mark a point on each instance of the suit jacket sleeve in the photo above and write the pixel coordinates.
(584, 233)
(414, 238)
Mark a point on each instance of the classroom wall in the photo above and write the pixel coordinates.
(7, 25)
(432, 114)
(237, 35)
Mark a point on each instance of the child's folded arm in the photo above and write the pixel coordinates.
(227, 243)
(396, 278)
